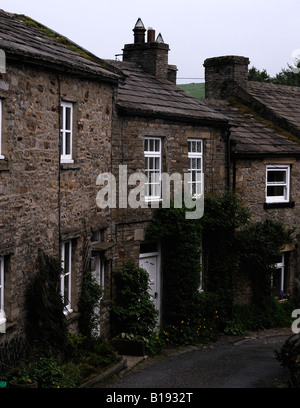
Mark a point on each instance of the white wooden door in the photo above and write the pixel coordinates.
(151, 262)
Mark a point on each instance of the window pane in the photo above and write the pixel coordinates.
(66, 290)
(68, 143)
(273, 191)
(157, 190)
(67, 257)
(157, 145)
(199, 164)
(68, 118)
(151, 163)
(157, 163)
(276, 176)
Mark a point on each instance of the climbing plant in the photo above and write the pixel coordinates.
(89, 299)
(259, 246)
(88, 305)
(45, 320)
(181, 249)
(232, 245)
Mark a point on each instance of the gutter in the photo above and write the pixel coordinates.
(63, 68)
(172, 116)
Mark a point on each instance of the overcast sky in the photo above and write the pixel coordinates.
(266, 31)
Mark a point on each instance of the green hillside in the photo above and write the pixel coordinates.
(196, 90)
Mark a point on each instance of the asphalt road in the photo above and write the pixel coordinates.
(230, 362)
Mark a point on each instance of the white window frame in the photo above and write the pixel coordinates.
(195, 180)
(66, 157)
(66, 277)
(97, 260)
(2, 313)
(285, 198)
(1, 141)
(153, 173)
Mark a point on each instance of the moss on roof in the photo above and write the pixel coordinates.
(246, 110)
(52, 34)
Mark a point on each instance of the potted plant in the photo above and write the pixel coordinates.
(21, 378)
(22, 382)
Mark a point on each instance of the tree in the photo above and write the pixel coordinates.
(285, 77)
(258, 76)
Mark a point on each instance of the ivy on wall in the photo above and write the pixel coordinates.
(181, 249)
(45, 321)
(232, 245)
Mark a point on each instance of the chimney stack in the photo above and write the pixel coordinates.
(223, 74)
(152, 55)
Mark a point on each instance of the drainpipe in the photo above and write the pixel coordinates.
(59, 168)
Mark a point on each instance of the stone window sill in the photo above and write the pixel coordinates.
(290, 204)
(69, 166)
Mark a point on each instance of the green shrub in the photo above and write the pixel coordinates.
(289, 357)
(252, 317)
(133, 311)
(45, 370)
(45, 319)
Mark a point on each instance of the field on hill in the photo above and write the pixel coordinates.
(196, 90)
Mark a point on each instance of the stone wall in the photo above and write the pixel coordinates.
(40, 198)
(250, 185)
(128, 149)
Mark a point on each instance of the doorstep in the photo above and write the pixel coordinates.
(132, 361)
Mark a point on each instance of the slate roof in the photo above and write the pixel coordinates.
(145, 95)
(264, 119)
(282, 100)
(254, 135)
(26, 40)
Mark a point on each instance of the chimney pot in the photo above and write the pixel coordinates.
(159, 38)
(150, 35)
(139, 32)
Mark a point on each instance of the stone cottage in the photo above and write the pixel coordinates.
(158, 129)
(56, 105)
(264, 153)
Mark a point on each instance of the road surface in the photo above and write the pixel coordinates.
(230, 362)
